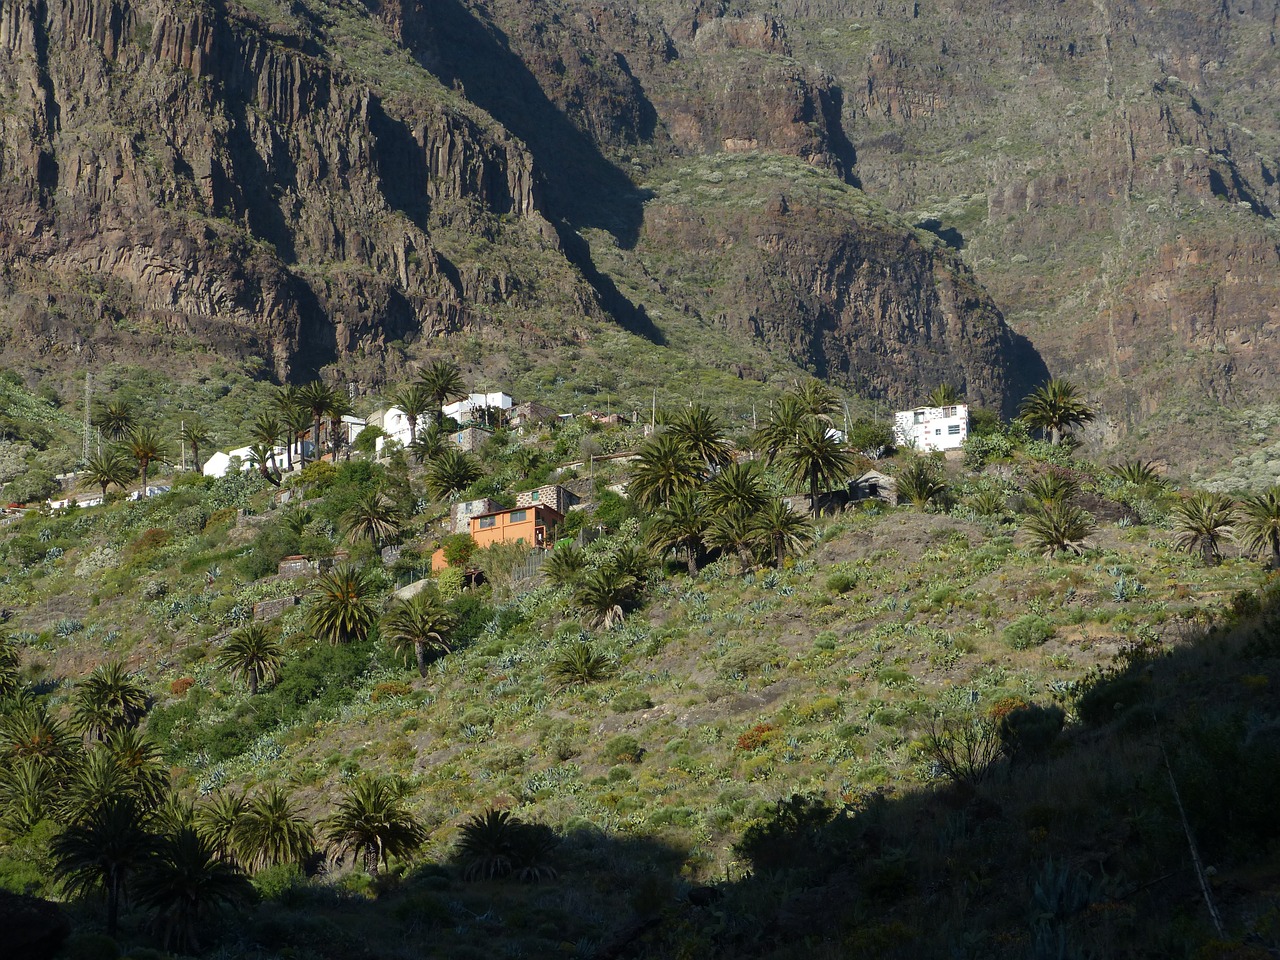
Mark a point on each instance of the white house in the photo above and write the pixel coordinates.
(932, 428)
(464, 410)
(395, 426)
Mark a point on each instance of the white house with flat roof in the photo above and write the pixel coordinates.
(464, 411)
(932, 428)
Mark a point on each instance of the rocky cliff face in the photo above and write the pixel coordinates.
(315, 182)
(178, 174)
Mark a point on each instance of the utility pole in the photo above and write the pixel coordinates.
(88, 435)
(182, 442)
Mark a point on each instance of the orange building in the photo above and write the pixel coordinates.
(534, 526)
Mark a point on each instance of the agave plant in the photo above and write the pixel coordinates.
(1058, 526)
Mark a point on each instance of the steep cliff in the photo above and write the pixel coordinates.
(328, 183)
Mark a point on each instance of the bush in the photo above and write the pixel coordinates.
(1027, 631)
(180, 686)
(758, 736)
(1027, 732)
(841, 583)
(630, 700)
(790, 835)
(963, 748)
(623, 749)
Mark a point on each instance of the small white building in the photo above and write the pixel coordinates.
(932, 428)
(465, 411)
(395, 426)
(218, 464)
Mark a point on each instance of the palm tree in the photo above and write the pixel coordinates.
(97, 780)
(115, 419)
(28, 790)
(373, 517)
(578, 663)
(1260, 523)
(414, 401)
(1139, 473)
(103, 853)
(421, 623)
(943, 395)
(1054, 408)
(140, 759)
(110, 466)
(736, 532)
(195, 434)
(680, 526)
(921, 483)
(184, 880)
(782, 427)
(816, 456)
(10, 662)
(108, 699)
(737, 489)
(267, 431)
(1200, 521)
(1058, 526)
(495, 844)
(218, 821)
(254, 653)
(663, 468)
(31, 733)
(263, 457)
(816, 399)
(442, 382)
(784, 530)
(1053, 487)
(287, 410)
(563, 566)
(432, 442)
(342, 608)
(341, 407)
(698, 429)
(603, 594)
(273, 831)
(452, 472)
(317, 399)
(146, 445)
(372, 824)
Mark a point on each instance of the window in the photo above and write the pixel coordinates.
(518, 516)
(486, 522)
(949, 412)
(535, 495)
(953, 430)
(919, 416)
(937, 431)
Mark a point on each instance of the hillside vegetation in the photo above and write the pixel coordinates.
(913, 730)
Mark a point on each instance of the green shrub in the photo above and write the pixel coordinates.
(280, 882)
(630, 700)
(623, 748)
(1029, 630)
(1104, 696)
(1027, 732)
(841, 582)
(826, 640)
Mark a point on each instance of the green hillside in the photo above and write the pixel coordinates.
(858, 750)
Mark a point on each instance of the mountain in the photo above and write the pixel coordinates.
(887, 194)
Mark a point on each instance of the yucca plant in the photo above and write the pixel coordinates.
(1058, 526)
(578, 663)
(1200, 523)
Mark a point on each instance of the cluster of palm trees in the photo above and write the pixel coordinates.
(126, 835)
(703, 499)
(132, 448)
(1203, 520)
